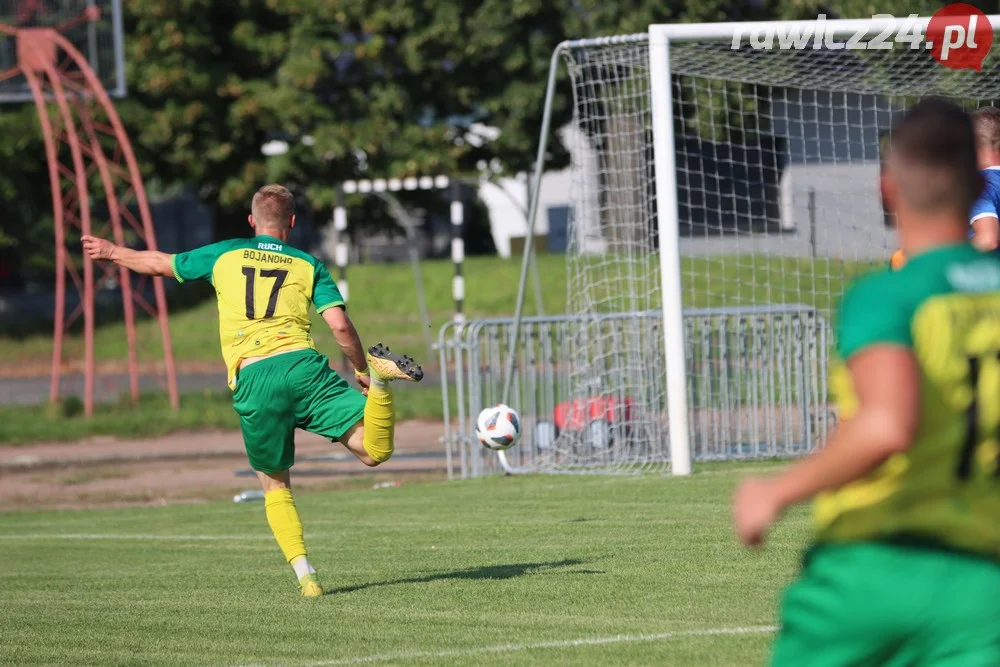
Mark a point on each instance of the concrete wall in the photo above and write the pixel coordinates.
(848, 223)
(507, 200)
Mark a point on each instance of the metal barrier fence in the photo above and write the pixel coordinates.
(756, 381)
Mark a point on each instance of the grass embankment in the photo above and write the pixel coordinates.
(383, 302)
(207, 410)
(383, 306)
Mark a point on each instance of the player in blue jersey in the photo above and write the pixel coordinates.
(984, 216)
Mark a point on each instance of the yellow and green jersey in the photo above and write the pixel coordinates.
(944, 305)
(264, 288)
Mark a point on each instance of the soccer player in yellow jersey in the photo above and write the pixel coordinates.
(280, 382)
(905, 566)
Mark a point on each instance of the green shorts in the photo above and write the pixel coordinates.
(293, 390)
(888, 605)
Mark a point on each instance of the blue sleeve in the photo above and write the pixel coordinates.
(988, 203)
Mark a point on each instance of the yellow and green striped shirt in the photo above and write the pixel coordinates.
(264, 289)
(944, 305)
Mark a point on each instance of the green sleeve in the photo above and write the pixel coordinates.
(325, 292)
(875, 311)
(197, 264)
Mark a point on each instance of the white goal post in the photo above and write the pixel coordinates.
(732, 191)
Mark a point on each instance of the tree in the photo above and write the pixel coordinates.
(378, 87)
(26, 228)
(358, 89)
(193, 67)
(396, 88)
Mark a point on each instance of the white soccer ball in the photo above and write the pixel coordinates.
(498, 427)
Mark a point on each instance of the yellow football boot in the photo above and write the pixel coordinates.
(310, 587)
(389, 366)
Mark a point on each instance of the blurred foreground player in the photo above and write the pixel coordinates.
(984, 216)
(280, 382)
(905, 569)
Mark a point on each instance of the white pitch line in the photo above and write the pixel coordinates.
(567, 643)
(185, 538)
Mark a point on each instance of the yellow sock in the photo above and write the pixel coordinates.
(279, 506)
(380, 422)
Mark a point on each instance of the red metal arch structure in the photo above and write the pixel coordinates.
(86, 143)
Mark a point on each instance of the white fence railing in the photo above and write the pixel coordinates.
(756, 380)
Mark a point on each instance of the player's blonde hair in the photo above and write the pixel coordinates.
(987, 123)
(273, 207)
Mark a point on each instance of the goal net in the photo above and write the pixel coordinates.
(776, 162)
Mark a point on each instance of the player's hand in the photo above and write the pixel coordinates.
(96, 248)
(365, 381)
(755, 509)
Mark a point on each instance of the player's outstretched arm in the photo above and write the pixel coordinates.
(886, 380)
(985, 219)
(146, 262)
(986, 235)
(347, 338)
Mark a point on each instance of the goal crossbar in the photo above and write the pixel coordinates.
(834, 27)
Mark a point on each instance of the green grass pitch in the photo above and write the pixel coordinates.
(500, 571)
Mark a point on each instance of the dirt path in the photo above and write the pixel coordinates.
(192, 467)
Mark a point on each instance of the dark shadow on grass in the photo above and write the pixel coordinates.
(509, 571)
